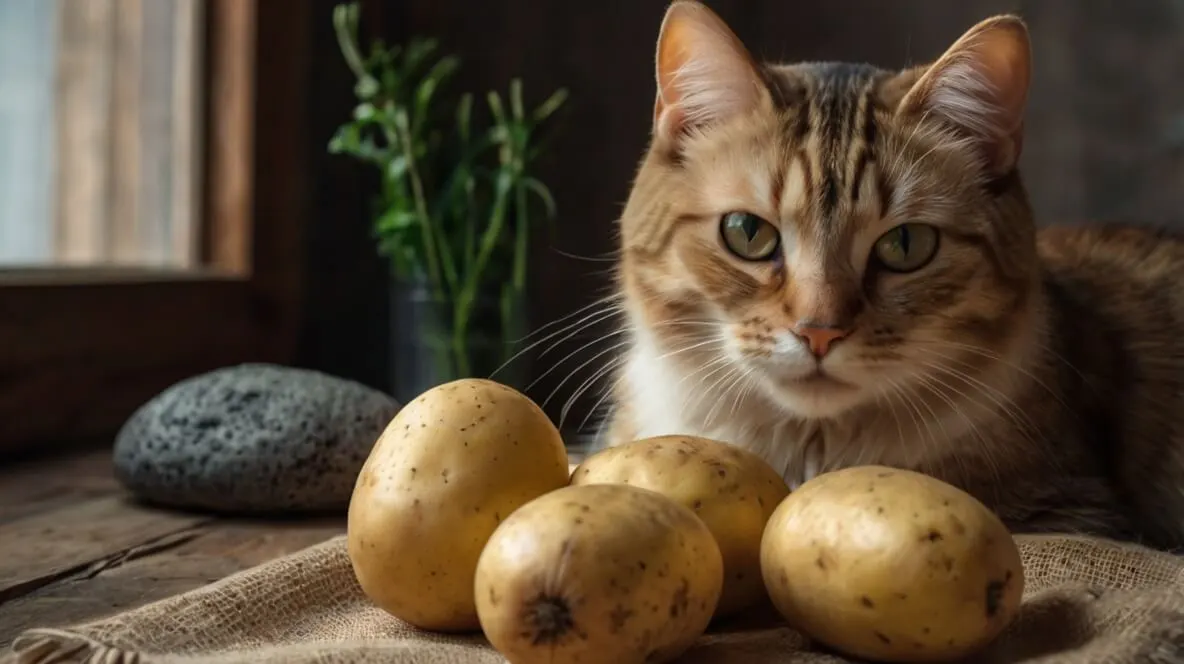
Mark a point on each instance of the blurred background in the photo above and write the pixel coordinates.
(169, 202)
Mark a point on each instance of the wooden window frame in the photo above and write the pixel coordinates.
(81, 349)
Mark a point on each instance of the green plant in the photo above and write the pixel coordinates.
(458, 197)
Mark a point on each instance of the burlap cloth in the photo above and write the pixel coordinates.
(1085, 601)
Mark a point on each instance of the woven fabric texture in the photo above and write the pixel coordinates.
(1085, 601)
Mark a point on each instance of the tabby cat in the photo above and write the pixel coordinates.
(834, 264)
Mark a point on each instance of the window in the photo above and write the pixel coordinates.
(102, 110)
(139, 241)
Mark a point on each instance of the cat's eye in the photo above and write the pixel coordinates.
(907, 248)
(748, 236)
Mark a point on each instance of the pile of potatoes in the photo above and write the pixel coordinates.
(465, 517)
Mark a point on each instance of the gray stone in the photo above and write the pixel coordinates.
(252, 438)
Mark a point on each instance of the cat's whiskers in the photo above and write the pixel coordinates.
(995, 356)
(742, 394)
(604, 422)
(573, 372)
(1040, 445)
(727, 368)
(1024, 425)
(612, 256)
(939, 387)
(881, 397)
(588, 345)
(1043, 347)
(608, 367)
(580, 325)
(697, 390)
(617, 297)
(914, 399)
(615, 363)
(716, 362)
(579, 349)
(741, 374)
(695, 344)
(894, 394)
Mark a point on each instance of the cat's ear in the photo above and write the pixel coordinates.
(704, 72)
(979, 87)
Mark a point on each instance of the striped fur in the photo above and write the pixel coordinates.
(1027, 368)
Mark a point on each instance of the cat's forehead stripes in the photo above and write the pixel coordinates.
(832, 118)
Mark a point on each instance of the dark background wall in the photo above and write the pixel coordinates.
(1106, 99)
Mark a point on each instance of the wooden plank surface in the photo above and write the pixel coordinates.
(45, 547)
(74, 547)
(208, 553)
(33, 487)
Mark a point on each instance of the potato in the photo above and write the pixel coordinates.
(891, 565)
(598, 573)
(449, 467)
(732, 490)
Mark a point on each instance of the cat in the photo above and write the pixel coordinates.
(833, 264)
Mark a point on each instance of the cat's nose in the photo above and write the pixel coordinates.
(819, 337)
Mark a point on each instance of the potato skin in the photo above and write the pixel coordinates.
(448, 468)
(731, 489)
(891, 565)
(598, 573)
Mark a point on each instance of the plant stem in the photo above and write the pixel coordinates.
(520, 237)
(425, 222)
(345, 24)
(460, 350)
(468, 293)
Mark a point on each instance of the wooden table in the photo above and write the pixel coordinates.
(74, 546)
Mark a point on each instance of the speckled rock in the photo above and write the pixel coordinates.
(252, 438)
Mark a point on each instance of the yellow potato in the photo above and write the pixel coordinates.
(891, 565)
(601, 573)
(449, 467)
(732, 490)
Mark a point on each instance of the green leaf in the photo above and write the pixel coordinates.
(464, 117)
(503, 183)
(495, 107)
(366, 88)
(396, 168)
(402, 123)
(368, 149)
(337, 142)
(434, 79)
(365, 112)
(441, 190)
(418, 51)
(548, 107)
(347, 139)
(499, 134)
(516, 107)
(519, 135)
(345, 26)
(396, 220)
